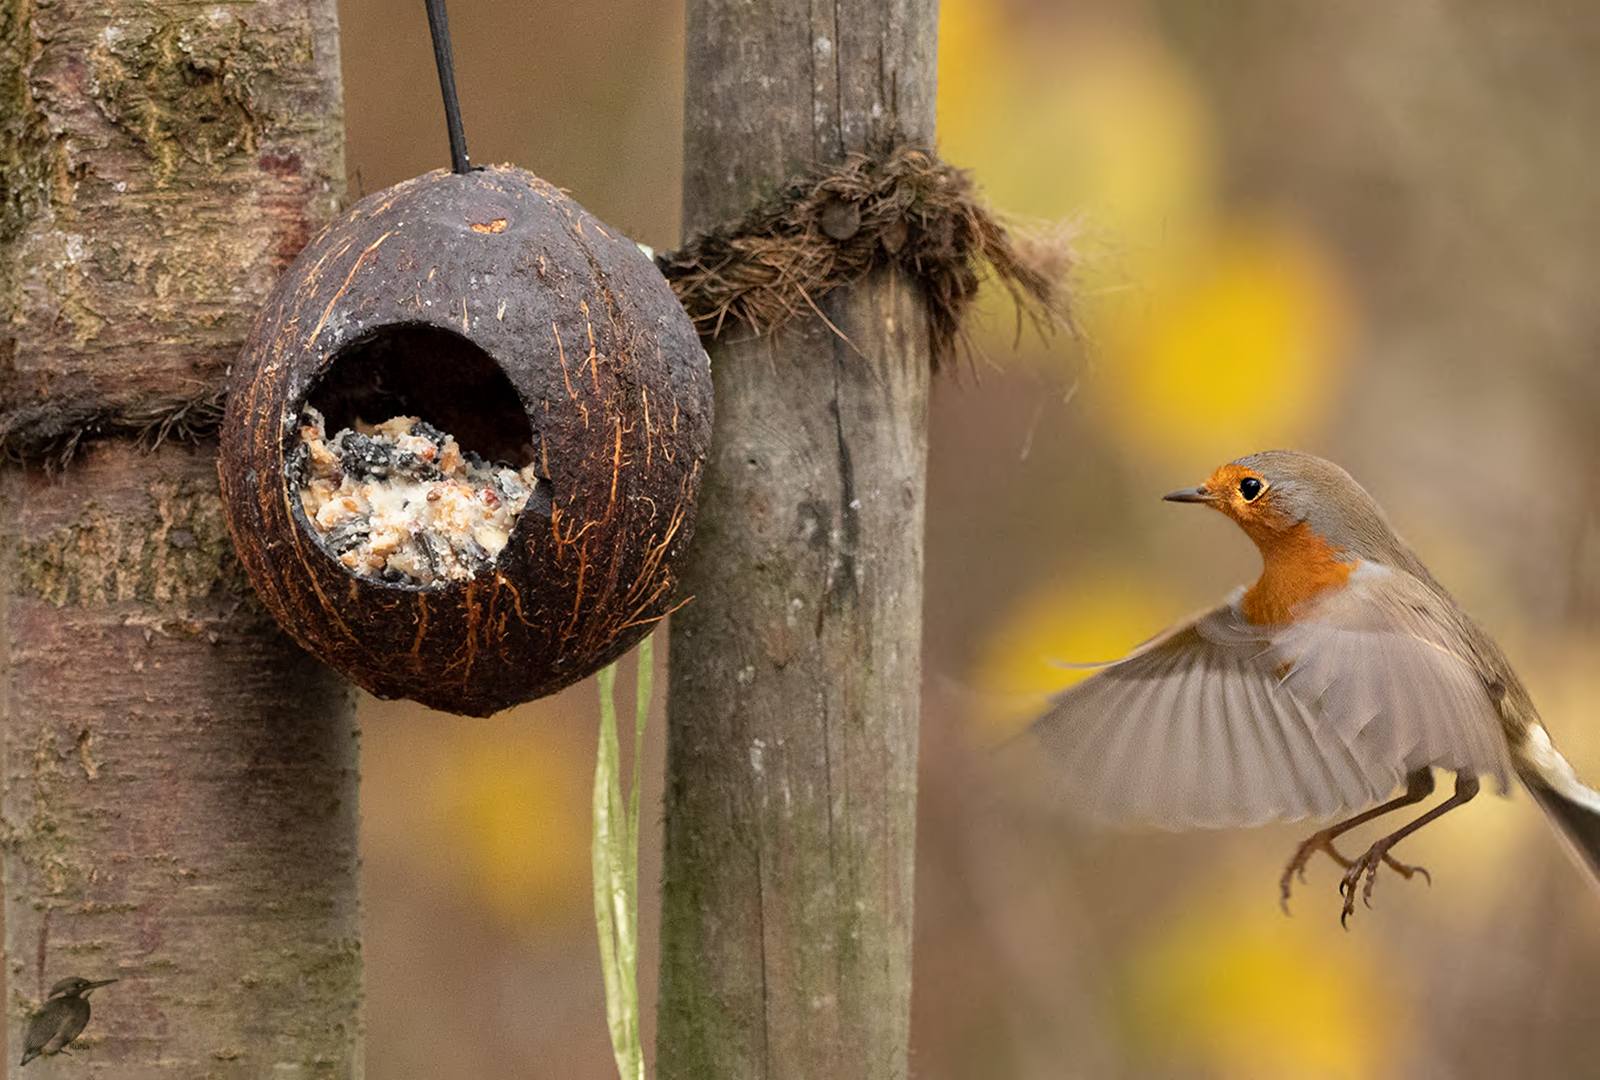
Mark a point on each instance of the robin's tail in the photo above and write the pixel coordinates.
(1576, 817)
(1572, 808)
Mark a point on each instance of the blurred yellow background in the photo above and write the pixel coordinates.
(1364, 230)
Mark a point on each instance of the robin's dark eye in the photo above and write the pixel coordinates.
(1250, 487)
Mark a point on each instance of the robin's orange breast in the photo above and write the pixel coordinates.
(1297, 566)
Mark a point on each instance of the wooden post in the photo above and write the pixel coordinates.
(795, 671)
(180, 800)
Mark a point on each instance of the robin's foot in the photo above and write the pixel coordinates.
(1322, 841)
(1367, 865)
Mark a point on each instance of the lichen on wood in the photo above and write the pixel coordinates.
(174, 548)
(112, 117)
(183, 89)
(179, 806)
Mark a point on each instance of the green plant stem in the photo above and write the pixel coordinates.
(616, 867)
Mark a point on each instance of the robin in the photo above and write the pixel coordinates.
(62, 1018)
(1344, 673)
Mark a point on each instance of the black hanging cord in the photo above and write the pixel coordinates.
(439, 26)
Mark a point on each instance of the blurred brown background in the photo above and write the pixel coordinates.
(1368, 230)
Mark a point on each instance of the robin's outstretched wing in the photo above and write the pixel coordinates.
(1220, 723)
(1384, 663)
(1197, 729)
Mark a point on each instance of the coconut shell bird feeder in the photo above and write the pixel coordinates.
(464, 439)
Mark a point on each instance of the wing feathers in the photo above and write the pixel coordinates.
(1197, 732)
(1375, 659)
(1219, 723)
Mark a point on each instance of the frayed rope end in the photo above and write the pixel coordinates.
(830, 229)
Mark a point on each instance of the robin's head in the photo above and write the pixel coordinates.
(1272, 492)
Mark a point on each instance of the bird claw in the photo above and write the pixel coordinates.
(1321, 841)
(1406, 871)
(1367, 866)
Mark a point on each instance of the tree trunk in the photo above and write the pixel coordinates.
(180, 801)
(795, 671)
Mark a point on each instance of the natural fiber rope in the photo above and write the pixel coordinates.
(49, 434)
(830, 229)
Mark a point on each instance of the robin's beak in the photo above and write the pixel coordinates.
(1194, 495)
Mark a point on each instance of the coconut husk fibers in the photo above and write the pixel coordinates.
(831, 228)
(599, 359)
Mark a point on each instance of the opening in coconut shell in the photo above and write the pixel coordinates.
(431, 493)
